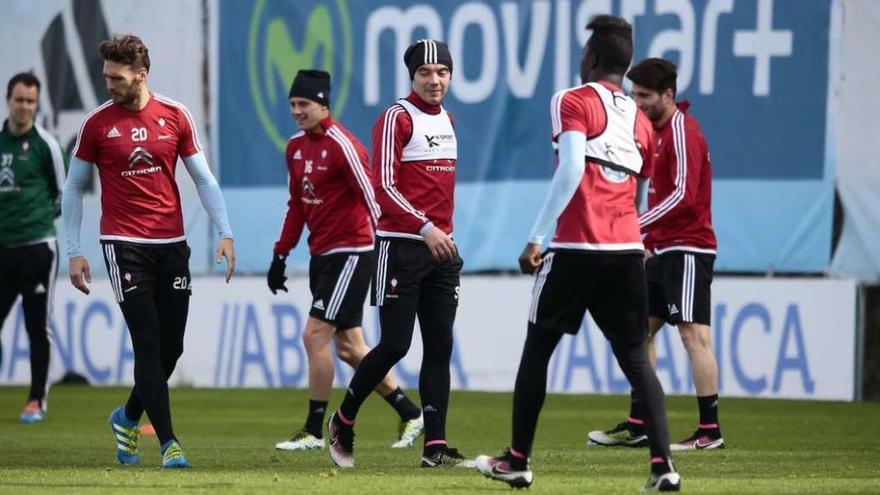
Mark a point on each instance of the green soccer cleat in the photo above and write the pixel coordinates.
(444, 455)
(625, 434)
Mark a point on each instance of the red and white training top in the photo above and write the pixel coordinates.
(679, 214)
(330, 191)
(136, 154)
(414, 157)
(601, 215)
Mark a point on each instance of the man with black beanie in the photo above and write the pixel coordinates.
(331, 193)
(417, 273)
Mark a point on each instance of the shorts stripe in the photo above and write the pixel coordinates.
(115, 281)
(687, 289)
(341, 287)
(539, 286)
(381, 271)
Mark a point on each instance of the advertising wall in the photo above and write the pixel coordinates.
(774, 338)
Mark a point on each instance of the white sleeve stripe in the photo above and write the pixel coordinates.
(671, 201)
(677, 195)
(192, 124)
(556, 111)
(388, 163)
(57, 159)
(357, 169)
(85, 120)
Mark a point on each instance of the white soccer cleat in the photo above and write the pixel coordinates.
(500, 469)
(668, 482)
(341, 442)
(301, 440)
(409, 432)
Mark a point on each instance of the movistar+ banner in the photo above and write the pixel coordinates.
(756, 73)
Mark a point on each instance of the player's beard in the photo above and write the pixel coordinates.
(655, 112)
(129, 96)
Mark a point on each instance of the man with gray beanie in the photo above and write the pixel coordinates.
(418, 266)
(331, 193)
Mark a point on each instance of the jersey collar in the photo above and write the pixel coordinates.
(682, 107)
(325, 124)
(422, 105)
(9, 133)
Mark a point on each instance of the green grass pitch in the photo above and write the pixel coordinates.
(228, 436)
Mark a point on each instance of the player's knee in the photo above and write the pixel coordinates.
(695, 338)
(438, 354)
(313, 339)
(392, 350)
(348, 353)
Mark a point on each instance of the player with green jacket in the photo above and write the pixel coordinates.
(31, 178)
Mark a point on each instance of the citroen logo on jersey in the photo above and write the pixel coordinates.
(141, 156)
(309, 196)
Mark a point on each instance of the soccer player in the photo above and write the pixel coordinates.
(417, 273)
(31, 177)
(678, 224)
(134, 140)
(595, 260)
(331, 193)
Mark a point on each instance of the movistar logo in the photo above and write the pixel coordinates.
(280, 44)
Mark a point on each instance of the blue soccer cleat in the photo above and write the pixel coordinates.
(127, 433)
(172, 455)
(32, 413)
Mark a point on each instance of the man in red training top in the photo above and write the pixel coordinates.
(134, 140)
(331, 193)
(678, 224)
(417, 273)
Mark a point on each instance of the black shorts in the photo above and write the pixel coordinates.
(339, 284)
(610, 286)
(680, 287)
(136, 268)
(28, 270)
(406, 273)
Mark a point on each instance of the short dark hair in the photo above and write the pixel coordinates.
(611, 43)
(126, 49)
(656, 74)
(27, 78)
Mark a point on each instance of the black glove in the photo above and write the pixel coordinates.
(276, 277)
